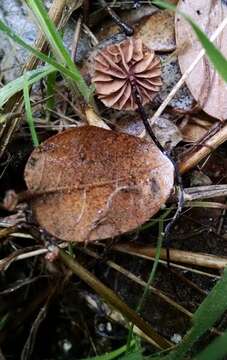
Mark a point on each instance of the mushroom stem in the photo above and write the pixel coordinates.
(179, 183)
(144, 118)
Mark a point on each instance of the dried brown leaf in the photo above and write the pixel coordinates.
(94, 183)
(193, 129)
(204, 83)
(157, 31)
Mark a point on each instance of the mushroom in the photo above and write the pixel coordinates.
(121, 68)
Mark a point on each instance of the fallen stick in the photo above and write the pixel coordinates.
(191, 159)
(183, 257)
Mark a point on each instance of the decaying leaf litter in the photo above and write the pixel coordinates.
(87, 183)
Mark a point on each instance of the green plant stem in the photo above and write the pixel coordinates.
(51, 79)
(28, 111)
(153, 271)
(111, 355)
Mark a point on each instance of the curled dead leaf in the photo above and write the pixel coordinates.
(209, 90)
(92, 183)
(193, 129)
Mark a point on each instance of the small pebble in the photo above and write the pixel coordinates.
(67, 345)
(176, 338)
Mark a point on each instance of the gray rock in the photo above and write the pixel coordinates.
(17, 16)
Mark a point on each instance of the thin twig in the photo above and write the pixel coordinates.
(76, 38)
(137, 280)
(127, 29)
(205, 192)
(93, 38)
(189, 160)
(142, 283)
(184, 257)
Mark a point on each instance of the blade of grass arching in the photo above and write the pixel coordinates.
(110, 297)
(215, 56)
(157, 257)
(28, 110)
(153, 271)
(51, 79)
(210, 311)
(49, 29)
(8, 90)
(74, 75)
(54, 38)
(214, 351)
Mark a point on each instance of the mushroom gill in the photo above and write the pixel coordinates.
(121, 68)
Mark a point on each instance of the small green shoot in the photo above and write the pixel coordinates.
(113, 354)
(51, 79)
(8, 90)
(3, 321)
(154, 268)
(28, 111)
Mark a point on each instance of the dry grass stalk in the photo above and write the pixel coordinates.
(184, 257)
(191, 159)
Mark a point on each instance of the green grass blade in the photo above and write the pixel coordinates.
(16, 85)
(74, 75)
(211, 309)
(133, 356)
(153, 270)
(4, 320)
(55, 40)
(215, 351)
(113, 354)
(28, 111)
(215, 56)
(51, 79)
(49, 29)
(156, 261)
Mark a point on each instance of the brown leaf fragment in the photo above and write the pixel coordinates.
(95, 184)
(209, 90)
(193, 129)
(157, 31)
